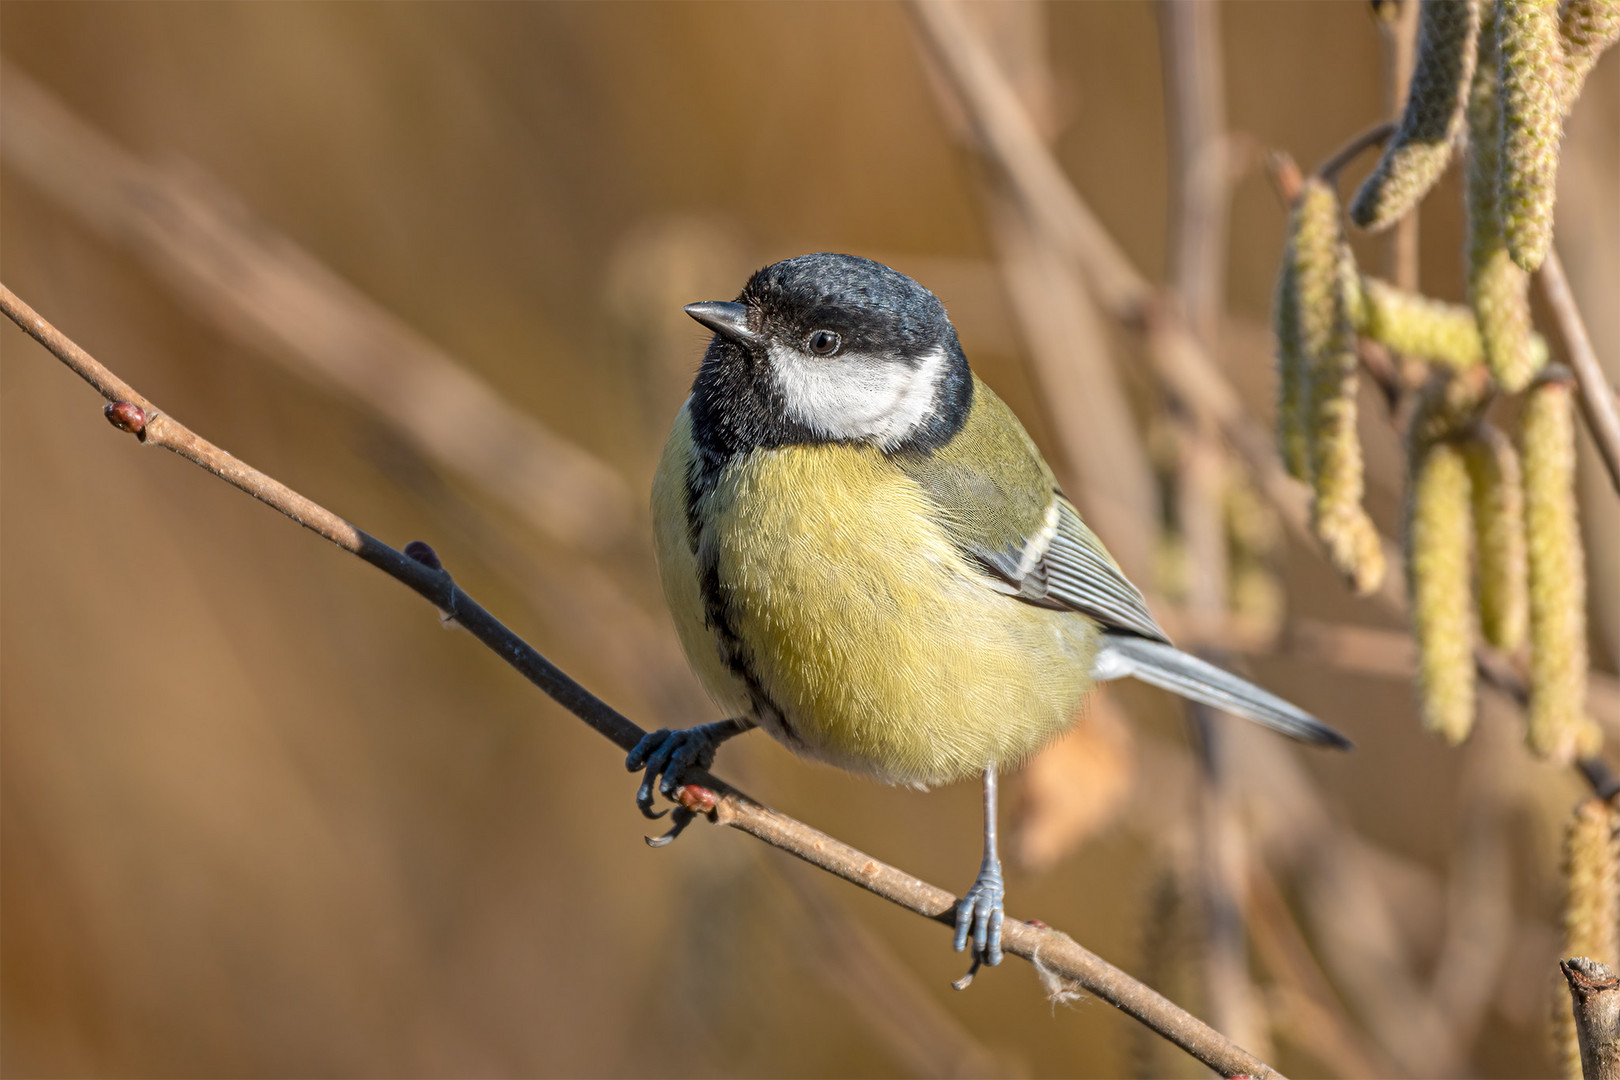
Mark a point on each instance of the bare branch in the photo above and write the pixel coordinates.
(1597, 397)
(1055, 951)
(1377, 135)
(1595, 996)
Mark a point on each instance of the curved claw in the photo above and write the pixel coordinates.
(982, 911)
(677, 824)
(665, 756)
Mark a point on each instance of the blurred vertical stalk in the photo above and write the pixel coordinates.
(1398, 26)
(1101, 458)
(1195, 121)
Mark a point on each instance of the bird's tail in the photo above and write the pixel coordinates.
(1166, 666)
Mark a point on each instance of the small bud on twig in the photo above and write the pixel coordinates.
(423, 553)
(126, 416)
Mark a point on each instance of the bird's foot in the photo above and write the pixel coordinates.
(981, 912)
(666, 756)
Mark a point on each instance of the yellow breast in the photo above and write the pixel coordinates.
(882, 649)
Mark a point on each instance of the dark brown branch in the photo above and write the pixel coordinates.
(1595, 996)
(1051, 949)
(1597, 397)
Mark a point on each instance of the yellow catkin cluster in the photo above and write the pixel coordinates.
(1498, 288)
(1559, 728)
(1530, 85)
(1325, 288)
(1498, 503)
(1416, 325)
(1432, 120)
(1591, 907)
(1438, 539)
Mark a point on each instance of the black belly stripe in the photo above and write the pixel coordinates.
(734, 654)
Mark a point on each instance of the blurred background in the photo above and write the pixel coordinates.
(260, 814)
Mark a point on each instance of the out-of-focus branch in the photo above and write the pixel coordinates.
(1398, 22)
(1597, 398)
(1100, 454)
(1049, 949)
(1595, 995)
(1004, 129)
(260, 287)
(1195, 120)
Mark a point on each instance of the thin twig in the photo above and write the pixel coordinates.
(1056, 951)
(1597, 397)
(1377, 135)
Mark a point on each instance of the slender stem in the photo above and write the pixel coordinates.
(1597, 397)
(1056, 951)
(1376, 135)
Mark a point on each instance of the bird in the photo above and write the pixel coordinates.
(865, 554)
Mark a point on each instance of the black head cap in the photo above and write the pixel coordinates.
(811, 342)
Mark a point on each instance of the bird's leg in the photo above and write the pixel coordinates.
(666, 755)
(983, 908)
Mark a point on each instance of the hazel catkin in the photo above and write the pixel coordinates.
(1591, 907)
(1438, 539)
(1498, 288)
(1558, 726)
(1324, 277)
(1530, 84)
(1432, 120)
(1498, 505)
(1585, 29)
(1293, 380)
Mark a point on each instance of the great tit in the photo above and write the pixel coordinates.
(866, 556)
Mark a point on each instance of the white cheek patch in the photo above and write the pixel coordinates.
(855, 396)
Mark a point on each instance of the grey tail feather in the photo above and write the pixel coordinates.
(1168, 667)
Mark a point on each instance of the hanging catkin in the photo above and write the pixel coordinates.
(1293, 380)
(1498, 504)
(1591, 908)
(1585, 29)
(1498, 289)
(1559, 728)
(1437, 549)
(1324, 279)
(1530, 83)
(1432, 121)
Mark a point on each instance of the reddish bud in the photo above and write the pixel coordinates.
(1037, 924)
(422, 553)
(697, 799)
(126, 416)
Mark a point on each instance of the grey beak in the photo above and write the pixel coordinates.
(724, 318)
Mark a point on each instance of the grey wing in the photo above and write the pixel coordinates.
(1065, 566)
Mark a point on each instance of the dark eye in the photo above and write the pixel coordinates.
(824, 342)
